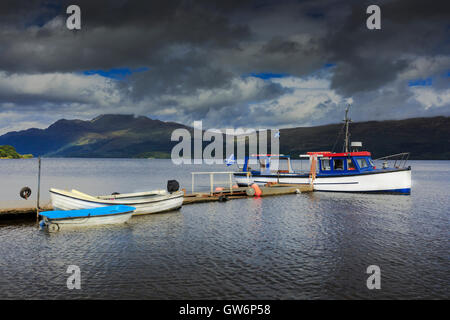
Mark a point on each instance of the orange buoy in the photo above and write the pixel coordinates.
(219, 189)
(258, 191)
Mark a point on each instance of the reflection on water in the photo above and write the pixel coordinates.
(303, 246)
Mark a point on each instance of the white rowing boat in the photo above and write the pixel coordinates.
(57, 220)
(144, 202)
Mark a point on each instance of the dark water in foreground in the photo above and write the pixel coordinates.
(305, 246)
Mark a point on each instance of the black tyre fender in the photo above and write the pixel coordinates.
(25, 192)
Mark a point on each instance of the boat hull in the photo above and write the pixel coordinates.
(58, 219)
(58, 224)
(160, 204)
(389, 181)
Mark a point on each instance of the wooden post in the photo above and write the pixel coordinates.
(231, 183)
(312, 172)
(39, 188)
(211, 181)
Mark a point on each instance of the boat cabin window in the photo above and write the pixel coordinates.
(362, 163)
(350, 164)
(326, 164)
(338, 164)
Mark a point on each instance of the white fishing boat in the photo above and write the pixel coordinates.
(144, 202)
(357, 174)
(57, 220)
(347, 171)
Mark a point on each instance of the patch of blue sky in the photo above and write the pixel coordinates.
(115, 73)
(329, 65)
(268, 75)
(272, 75)
(420, 82)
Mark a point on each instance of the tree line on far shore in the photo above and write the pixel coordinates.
(9, 152)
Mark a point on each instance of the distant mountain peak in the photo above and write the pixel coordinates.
(109, 116)
(107, 135)
(64, 123)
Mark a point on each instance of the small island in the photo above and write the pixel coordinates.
(9, 152)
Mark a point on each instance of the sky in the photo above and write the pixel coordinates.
(253, 64)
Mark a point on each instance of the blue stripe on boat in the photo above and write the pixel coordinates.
(405, 190)
(101, 211)
(394, 191)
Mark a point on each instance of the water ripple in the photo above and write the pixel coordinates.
(306, 246)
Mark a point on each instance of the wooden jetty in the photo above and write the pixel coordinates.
(228, 193)
(220, 194)
(244, 192)
(189, 198)
(22, 213)
(28, 212)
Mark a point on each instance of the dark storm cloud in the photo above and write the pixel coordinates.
(114, 33)
(367, 59)
(184, 72)
(134, 33)
(24, 13)
(198, 52)
(359, 75)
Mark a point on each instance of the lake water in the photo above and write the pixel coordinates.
(305, 246)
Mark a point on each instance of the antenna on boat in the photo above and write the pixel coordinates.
(347, 120)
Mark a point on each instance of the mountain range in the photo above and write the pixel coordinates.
(129, 136)
(114, 136)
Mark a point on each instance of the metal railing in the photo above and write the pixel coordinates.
(400, 158)
(211, 179)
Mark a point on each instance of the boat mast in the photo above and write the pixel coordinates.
(347, 120)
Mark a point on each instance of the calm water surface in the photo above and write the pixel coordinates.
(305, 246)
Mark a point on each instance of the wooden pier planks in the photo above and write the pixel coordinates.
(239, 193)
(21, 213)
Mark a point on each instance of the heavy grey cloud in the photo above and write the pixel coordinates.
(201, 56)
(369, 59)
